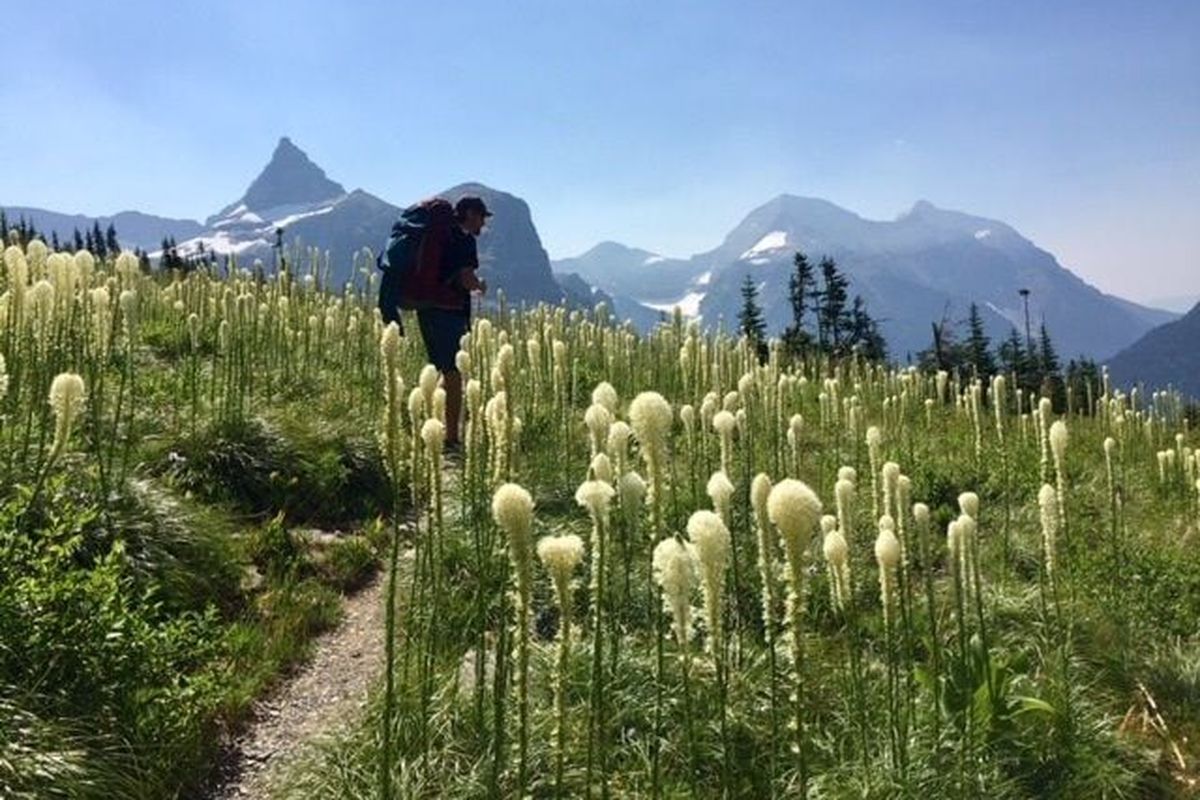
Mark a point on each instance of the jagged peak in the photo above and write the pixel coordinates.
(290, 178)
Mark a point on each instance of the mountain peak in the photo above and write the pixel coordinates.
(289, 178)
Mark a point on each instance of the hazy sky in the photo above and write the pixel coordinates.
(657, 124)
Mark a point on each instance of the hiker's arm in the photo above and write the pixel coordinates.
(471, 282)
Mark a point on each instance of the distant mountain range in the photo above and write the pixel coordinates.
(1169, 355)
(136, 229)
(294, 195)
(927, 264)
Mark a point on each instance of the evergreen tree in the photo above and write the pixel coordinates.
(1048, 356)
(979, 346)
(750, 317)
(864, 332)
(3, 227)
(89, 243)
(1050, 371)
(144, 261)
(110, 240)
(801, 288)
(78, 241)
(831, 313)
(1084, 381)
(54, 241)
(1015, 361)
(101, 251)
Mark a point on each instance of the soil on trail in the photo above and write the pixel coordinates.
(326, 692)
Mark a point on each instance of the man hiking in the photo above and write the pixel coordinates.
(430, 265)
(444, 323)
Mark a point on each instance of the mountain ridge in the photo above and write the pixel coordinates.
(927, 263)
(1168, 355)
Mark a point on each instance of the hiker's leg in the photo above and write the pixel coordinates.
(452, 383)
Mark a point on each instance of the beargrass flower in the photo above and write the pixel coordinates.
(710, 538)
(598, 419)
(389, 346)
(720, 491)
(968, 503)
(618, 444)
(887, 555)
(560, 555)
(427, 381)
(836, 553)
(1049, 516)
(795, 510)
(676, 572)
(632, 490)
(605, 395)
(843, 492)
(66, 401)
(601, 468)
(433, 434)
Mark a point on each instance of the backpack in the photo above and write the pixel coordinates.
(412, 258)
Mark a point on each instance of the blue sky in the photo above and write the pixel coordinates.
(657, 124)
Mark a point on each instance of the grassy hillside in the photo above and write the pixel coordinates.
(936, 586)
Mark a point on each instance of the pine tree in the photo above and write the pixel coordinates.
(110, 240)
(3, 227)
(750, 317)
(979, 346)
(144, 261)
(864, 332)
(1015, 361)
(1050, 371)
(78, 241)
(54, 241)
(831, 313)
(101, 251)
(1084, 381)
(801, 286)
(89, 243)
(1049, 357)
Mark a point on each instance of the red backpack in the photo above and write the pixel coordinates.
(414, 255)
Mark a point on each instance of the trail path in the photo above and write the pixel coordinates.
(326, 692)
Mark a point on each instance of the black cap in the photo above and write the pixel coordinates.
(470, 203)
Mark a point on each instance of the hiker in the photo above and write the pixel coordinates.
(429, 264)
(444, 322)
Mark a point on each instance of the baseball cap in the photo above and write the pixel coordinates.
(471, 203)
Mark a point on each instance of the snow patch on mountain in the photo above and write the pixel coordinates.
(240, 230)
(293, 218)
(775, 240)
(221, 243)
(654, 260)
(704, 279)
(983, 234)
(688, 305)
(1012, 316)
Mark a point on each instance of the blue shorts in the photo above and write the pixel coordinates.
(442, 330)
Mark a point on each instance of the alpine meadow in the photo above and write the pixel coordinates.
(662, 565)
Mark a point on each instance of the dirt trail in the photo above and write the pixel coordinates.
(326, 692)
